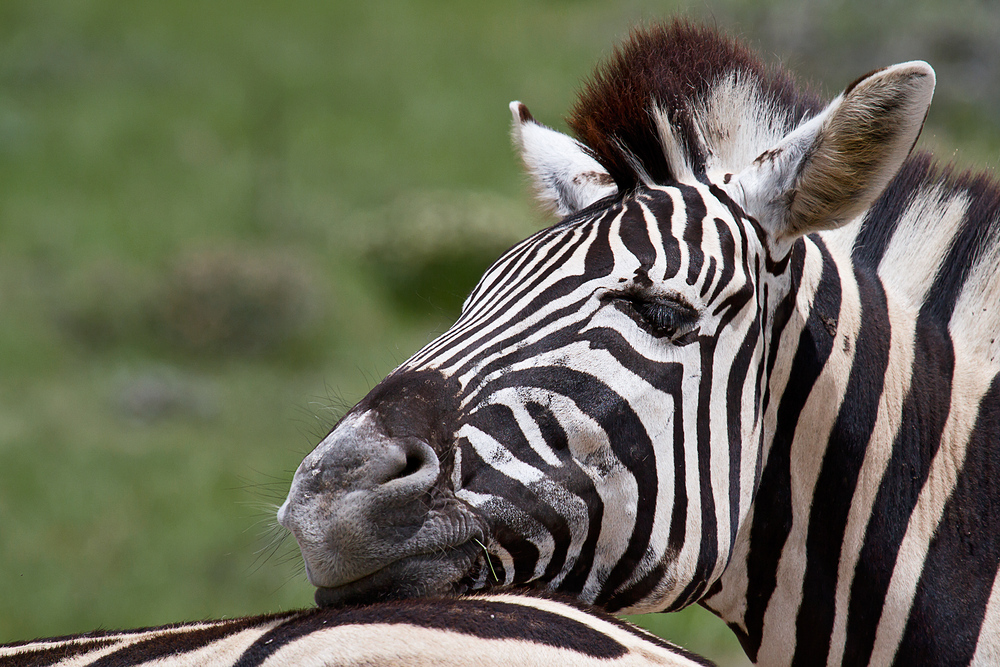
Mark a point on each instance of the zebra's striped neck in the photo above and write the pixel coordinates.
(885, 423)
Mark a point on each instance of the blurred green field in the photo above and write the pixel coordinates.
(221, 223)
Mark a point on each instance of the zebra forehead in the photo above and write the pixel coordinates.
(652, 225)
(676, 98)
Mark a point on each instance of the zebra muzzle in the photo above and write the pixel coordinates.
(372, 519)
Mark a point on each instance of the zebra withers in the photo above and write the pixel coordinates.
(754, 365)
(501, 630)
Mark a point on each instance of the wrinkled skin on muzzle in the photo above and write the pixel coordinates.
(372, 507)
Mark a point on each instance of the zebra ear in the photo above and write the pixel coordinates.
(566, 178)
(832, 168)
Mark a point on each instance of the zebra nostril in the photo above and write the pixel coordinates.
(412, 464)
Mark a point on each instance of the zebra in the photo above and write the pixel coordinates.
(503, 629)
(752, 365)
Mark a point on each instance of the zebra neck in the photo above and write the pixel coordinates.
(831, 566)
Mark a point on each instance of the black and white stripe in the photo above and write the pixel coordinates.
(496, 630)
(754, 366)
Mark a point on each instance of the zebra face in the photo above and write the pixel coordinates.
(595, 421)
(550, 423)
(597, 424)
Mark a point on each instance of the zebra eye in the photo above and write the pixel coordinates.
(663, 318)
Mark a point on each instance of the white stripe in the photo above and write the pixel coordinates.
(659, 268)
(516, 399)
(528, 527)
(495, 308)
(924, 235)
(512, 321)
(988, 648)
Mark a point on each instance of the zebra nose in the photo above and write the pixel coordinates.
(358, 466)
(356, 499)
(384, 470)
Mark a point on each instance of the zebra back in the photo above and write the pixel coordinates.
(503, 629)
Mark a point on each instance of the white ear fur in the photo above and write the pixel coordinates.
(566, 178)
(832, 168)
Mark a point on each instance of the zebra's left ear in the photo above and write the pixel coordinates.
(832, 168)
(566, 178)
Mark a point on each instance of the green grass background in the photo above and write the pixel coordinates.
(222, 222)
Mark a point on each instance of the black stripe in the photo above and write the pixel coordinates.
(879, 224)
(526, 251)
(678, 517)
(709, 274)
(708, 549)
(507, 350)
(173, 644)
(499, 422)
(772, 507)
(760, 388)
(480, 477)
(925, 410)
(661, 206)
(634, 235)
(838, 476)
(734, 388)
(963, 557)
(738, 377)
(666, 377)
(695, 210)
(622, 624)
(463, 333)
(631, 447)
(728, 246)
(598, 256)
(484, 619)
(980, 229)
(570, 475)
(535, 264)
(509, 262)
(779, 320)
(51, 655)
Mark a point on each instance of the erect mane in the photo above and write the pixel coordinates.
(679, 97)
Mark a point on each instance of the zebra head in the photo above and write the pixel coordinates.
(594, 421)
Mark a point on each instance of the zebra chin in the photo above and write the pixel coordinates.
(456, 570)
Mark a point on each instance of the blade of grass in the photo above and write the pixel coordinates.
(488, 560)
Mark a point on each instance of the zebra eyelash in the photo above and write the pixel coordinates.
(661, 316)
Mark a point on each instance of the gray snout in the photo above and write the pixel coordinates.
(362, 500)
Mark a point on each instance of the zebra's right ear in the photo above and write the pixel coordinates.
(566, 178)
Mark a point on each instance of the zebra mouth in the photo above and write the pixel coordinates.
(444, 572)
